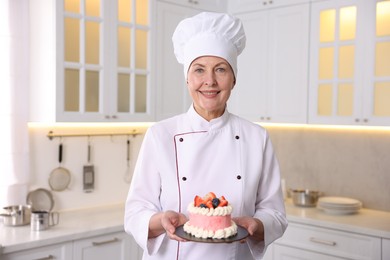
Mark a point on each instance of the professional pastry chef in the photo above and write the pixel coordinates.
(206, 149)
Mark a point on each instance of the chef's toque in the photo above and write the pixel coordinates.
(209, 34)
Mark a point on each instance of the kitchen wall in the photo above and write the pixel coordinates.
(337, 161)
(108, 155)
(351, 162)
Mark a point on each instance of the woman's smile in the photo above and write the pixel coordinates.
(209, 94)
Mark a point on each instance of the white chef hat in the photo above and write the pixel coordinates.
(209, 34)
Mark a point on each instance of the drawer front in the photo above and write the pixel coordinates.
(332, 242)
(290, 253)
(59, 252)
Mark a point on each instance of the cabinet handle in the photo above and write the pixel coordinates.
(105, 242)
(365, 120)
(322, 241)
(49, 257)
(110, 117)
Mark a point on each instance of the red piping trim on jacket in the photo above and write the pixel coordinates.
(177, 178)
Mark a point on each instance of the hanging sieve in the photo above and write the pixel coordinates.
(60, 177)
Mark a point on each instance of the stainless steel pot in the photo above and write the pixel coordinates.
(17, 215)
(304, 197)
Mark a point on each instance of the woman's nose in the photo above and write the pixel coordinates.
(209, 79)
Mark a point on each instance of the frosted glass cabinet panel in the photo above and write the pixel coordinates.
(92, 43)
(350, 62)
(336, 61)
(105, 71)
(133, 36)
(72, 39)
(381, 81)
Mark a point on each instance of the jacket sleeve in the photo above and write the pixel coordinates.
(143, 197)
(270, 208)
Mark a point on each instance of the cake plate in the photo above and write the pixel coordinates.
(242, 233)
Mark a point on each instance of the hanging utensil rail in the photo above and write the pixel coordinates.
(52, 135)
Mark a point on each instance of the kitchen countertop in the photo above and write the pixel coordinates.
(83, 223)
(73, 225)
(366, 221)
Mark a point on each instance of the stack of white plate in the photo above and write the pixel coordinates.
(339, 205)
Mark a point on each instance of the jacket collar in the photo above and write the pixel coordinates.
(198, 123)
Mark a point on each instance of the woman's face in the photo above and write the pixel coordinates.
(210, 80)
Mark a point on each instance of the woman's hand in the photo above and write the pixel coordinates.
(254, 227)
(167, 222)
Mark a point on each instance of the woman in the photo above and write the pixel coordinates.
(206, 149)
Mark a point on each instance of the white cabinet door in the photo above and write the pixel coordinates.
(349, 63)
(385, 249)
(207, 5)
(272, 70)
(172, 95)
(91, 61)
(330, 242)
(239, 6)
(290, 253)
(249, 96)
(118, 246)
(59, 251)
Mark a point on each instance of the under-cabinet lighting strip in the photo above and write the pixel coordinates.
(52, 135)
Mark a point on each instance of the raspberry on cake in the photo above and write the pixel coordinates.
(210, 217)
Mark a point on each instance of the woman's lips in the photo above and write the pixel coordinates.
(209, 93)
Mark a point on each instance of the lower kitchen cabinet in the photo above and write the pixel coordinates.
(311, 242)
(290, 253)
(61, 251)
(119, 246)
(385, 249)
(115, 246)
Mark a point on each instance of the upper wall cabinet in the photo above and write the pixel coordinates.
(273, 68)
(102, 59)
(206, 5)
(239, 6)
(350, 62)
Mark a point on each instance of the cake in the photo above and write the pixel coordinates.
(210, 217)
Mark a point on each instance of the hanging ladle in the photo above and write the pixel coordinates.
(128, 174)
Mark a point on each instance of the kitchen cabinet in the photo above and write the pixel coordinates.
(310, 242)
(385, 249)
(289, 253)
(92, 61)
(239, 6)
(118, 246)
(113, 246)
(273, 68)
(207, 5)
(349, 63)
(172, 96)
(61, 251)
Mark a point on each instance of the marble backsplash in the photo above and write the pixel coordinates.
(349, 162)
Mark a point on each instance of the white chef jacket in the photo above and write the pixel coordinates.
(185, 156)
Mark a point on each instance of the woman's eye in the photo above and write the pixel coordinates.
(221, 70)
